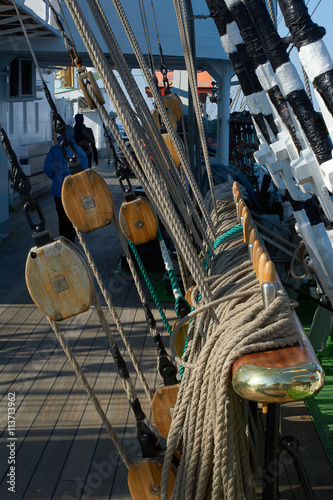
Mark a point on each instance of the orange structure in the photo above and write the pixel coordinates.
(205, 84)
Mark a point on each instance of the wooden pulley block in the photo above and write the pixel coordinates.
(96, 88)
(59, 279)
(163, 403)
(83, 74)
(144, 479)
(86, 94)
(173, 102)
(87, 200)
(158, 120)
(263, 258)
(138, 221)
(172, 149)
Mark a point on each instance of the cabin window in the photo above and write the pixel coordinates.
(22, 80)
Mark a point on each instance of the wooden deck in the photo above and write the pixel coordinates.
(62, 451)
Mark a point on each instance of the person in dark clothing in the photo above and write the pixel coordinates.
(56, 167)
(84, 137)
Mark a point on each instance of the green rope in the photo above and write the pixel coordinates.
(150, 286)
(233, 233)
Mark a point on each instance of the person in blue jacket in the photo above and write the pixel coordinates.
(56, 167)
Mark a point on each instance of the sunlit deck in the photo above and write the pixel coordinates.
(62, 451)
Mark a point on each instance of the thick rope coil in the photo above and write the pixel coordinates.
(212, 427)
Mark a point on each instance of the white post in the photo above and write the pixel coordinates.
(223, 114)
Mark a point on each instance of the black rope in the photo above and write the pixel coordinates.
(147, 439)
(111, 146)
(301, 292)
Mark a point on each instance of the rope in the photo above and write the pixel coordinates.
(150, 286)
(275, 244)
(271, 12)
(80, 375)
(47, 93)
(185, 39)
(211, 427)
(181, 305)
(123, 371)
(164, 116)
(166, 209)
(146, 32)
(161, 352)
(307, 84)
(298, 255)
(115, 316)
(231, 234)
(159, 151)
(276, 235)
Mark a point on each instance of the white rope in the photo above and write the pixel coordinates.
(184, 36)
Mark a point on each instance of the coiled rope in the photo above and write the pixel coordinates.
(211, 426)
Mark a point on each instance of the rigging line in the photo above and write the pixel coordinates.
(28, 42)
(315, 8)
(162, 110)
(271, 12)
(157, 36)
(152, 8)
(147, 37)
(184, 35)
(167, 210)
(65, 21)
(281, 15)
(68, 40)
